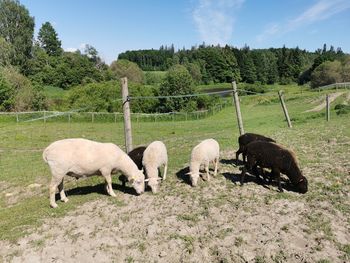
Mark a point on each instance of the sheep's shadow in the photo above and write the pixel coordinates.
(235, 178)
(252, 176)
(182, 175)
(98, 188)
(233, 162)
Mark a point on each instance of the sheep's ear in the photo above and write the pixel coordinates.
(146, 180)
(132, 179)
(189, 173)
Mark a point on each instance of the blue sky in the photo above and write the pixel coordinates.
(114, 26)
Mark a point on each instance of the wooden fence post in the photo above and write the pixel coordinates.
(327, 108)
(126, 112)
(238, 108)
(284, 107)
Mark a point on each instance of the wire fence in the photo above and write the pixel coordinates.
(78, 116)
(24, 135)
(342, 85)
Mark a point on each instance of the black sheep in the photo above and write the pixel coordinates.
(136, 155)
(279, 160)
(247, 138)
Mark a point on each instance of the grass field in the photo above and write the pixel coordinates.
(215, 222)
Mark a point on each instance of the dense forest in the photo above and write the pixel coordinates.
(215, 64)
(31, 65)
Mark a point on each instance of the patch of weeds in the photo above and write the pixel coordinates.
(346, 250)
(280, 257)
(260, 259)
(323, 261)
(317, 222)
(224, 232)
(142, 246)
(38, 243)
(285, 228)
(188, 241)
(188, 217)
(117, 202)
(129, 259)
(239, 241)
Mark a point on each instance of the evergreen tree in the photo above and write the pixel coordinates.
(48, 40)
(248, 71)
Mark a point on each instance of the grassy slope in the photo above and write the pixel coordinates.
(21, 147)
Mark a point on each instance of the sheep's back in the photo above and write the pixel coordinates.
(270, 154)
(207, 150)
(81, 154)
(155, 154)
(247, 138)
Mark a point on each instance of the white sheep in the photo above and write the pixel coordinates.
(154, 157)
(81, 158)
(202, 154)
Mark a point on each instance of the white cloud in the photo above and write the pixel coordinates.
(74, 49)
(321, 10)
(70, 49)
(214, 19)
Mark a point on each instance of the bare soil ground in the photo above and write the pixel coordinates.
(219, 221)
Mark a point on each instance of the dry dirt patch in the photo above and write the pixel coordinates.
(219, 221)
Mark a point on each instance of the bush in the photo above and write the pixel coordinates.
(95, 97)
(124, 68)
(17, 92)
(342, 109)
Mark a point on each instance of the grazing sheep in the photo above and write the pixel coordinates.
(205, 152)
(136, 155)
(81, 158)
(246, 138)
(278, 159)
(154, 157)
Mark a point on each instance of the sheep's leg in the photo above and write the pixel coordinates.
(216, 162)
(276, 174)
(108, 178)
(207, 170)
(62, 194)
(244, 157)
(240, 150)
(165, 170)
(244, 170)
(55, 181)
(247, 166)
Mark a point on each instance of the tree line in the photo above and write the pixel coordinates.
(215, 64)
(30, 63)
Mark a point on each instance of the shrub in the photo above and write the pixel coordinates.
(95, 97)
(17, 92)
(342, 109)
(125, 68)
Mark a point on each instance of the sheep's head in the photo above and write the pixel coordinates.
(194, 178)
(301, 186)
(138, 182)
(154, 184)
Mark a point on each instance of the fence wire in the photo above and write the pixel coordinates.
(22, 139)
